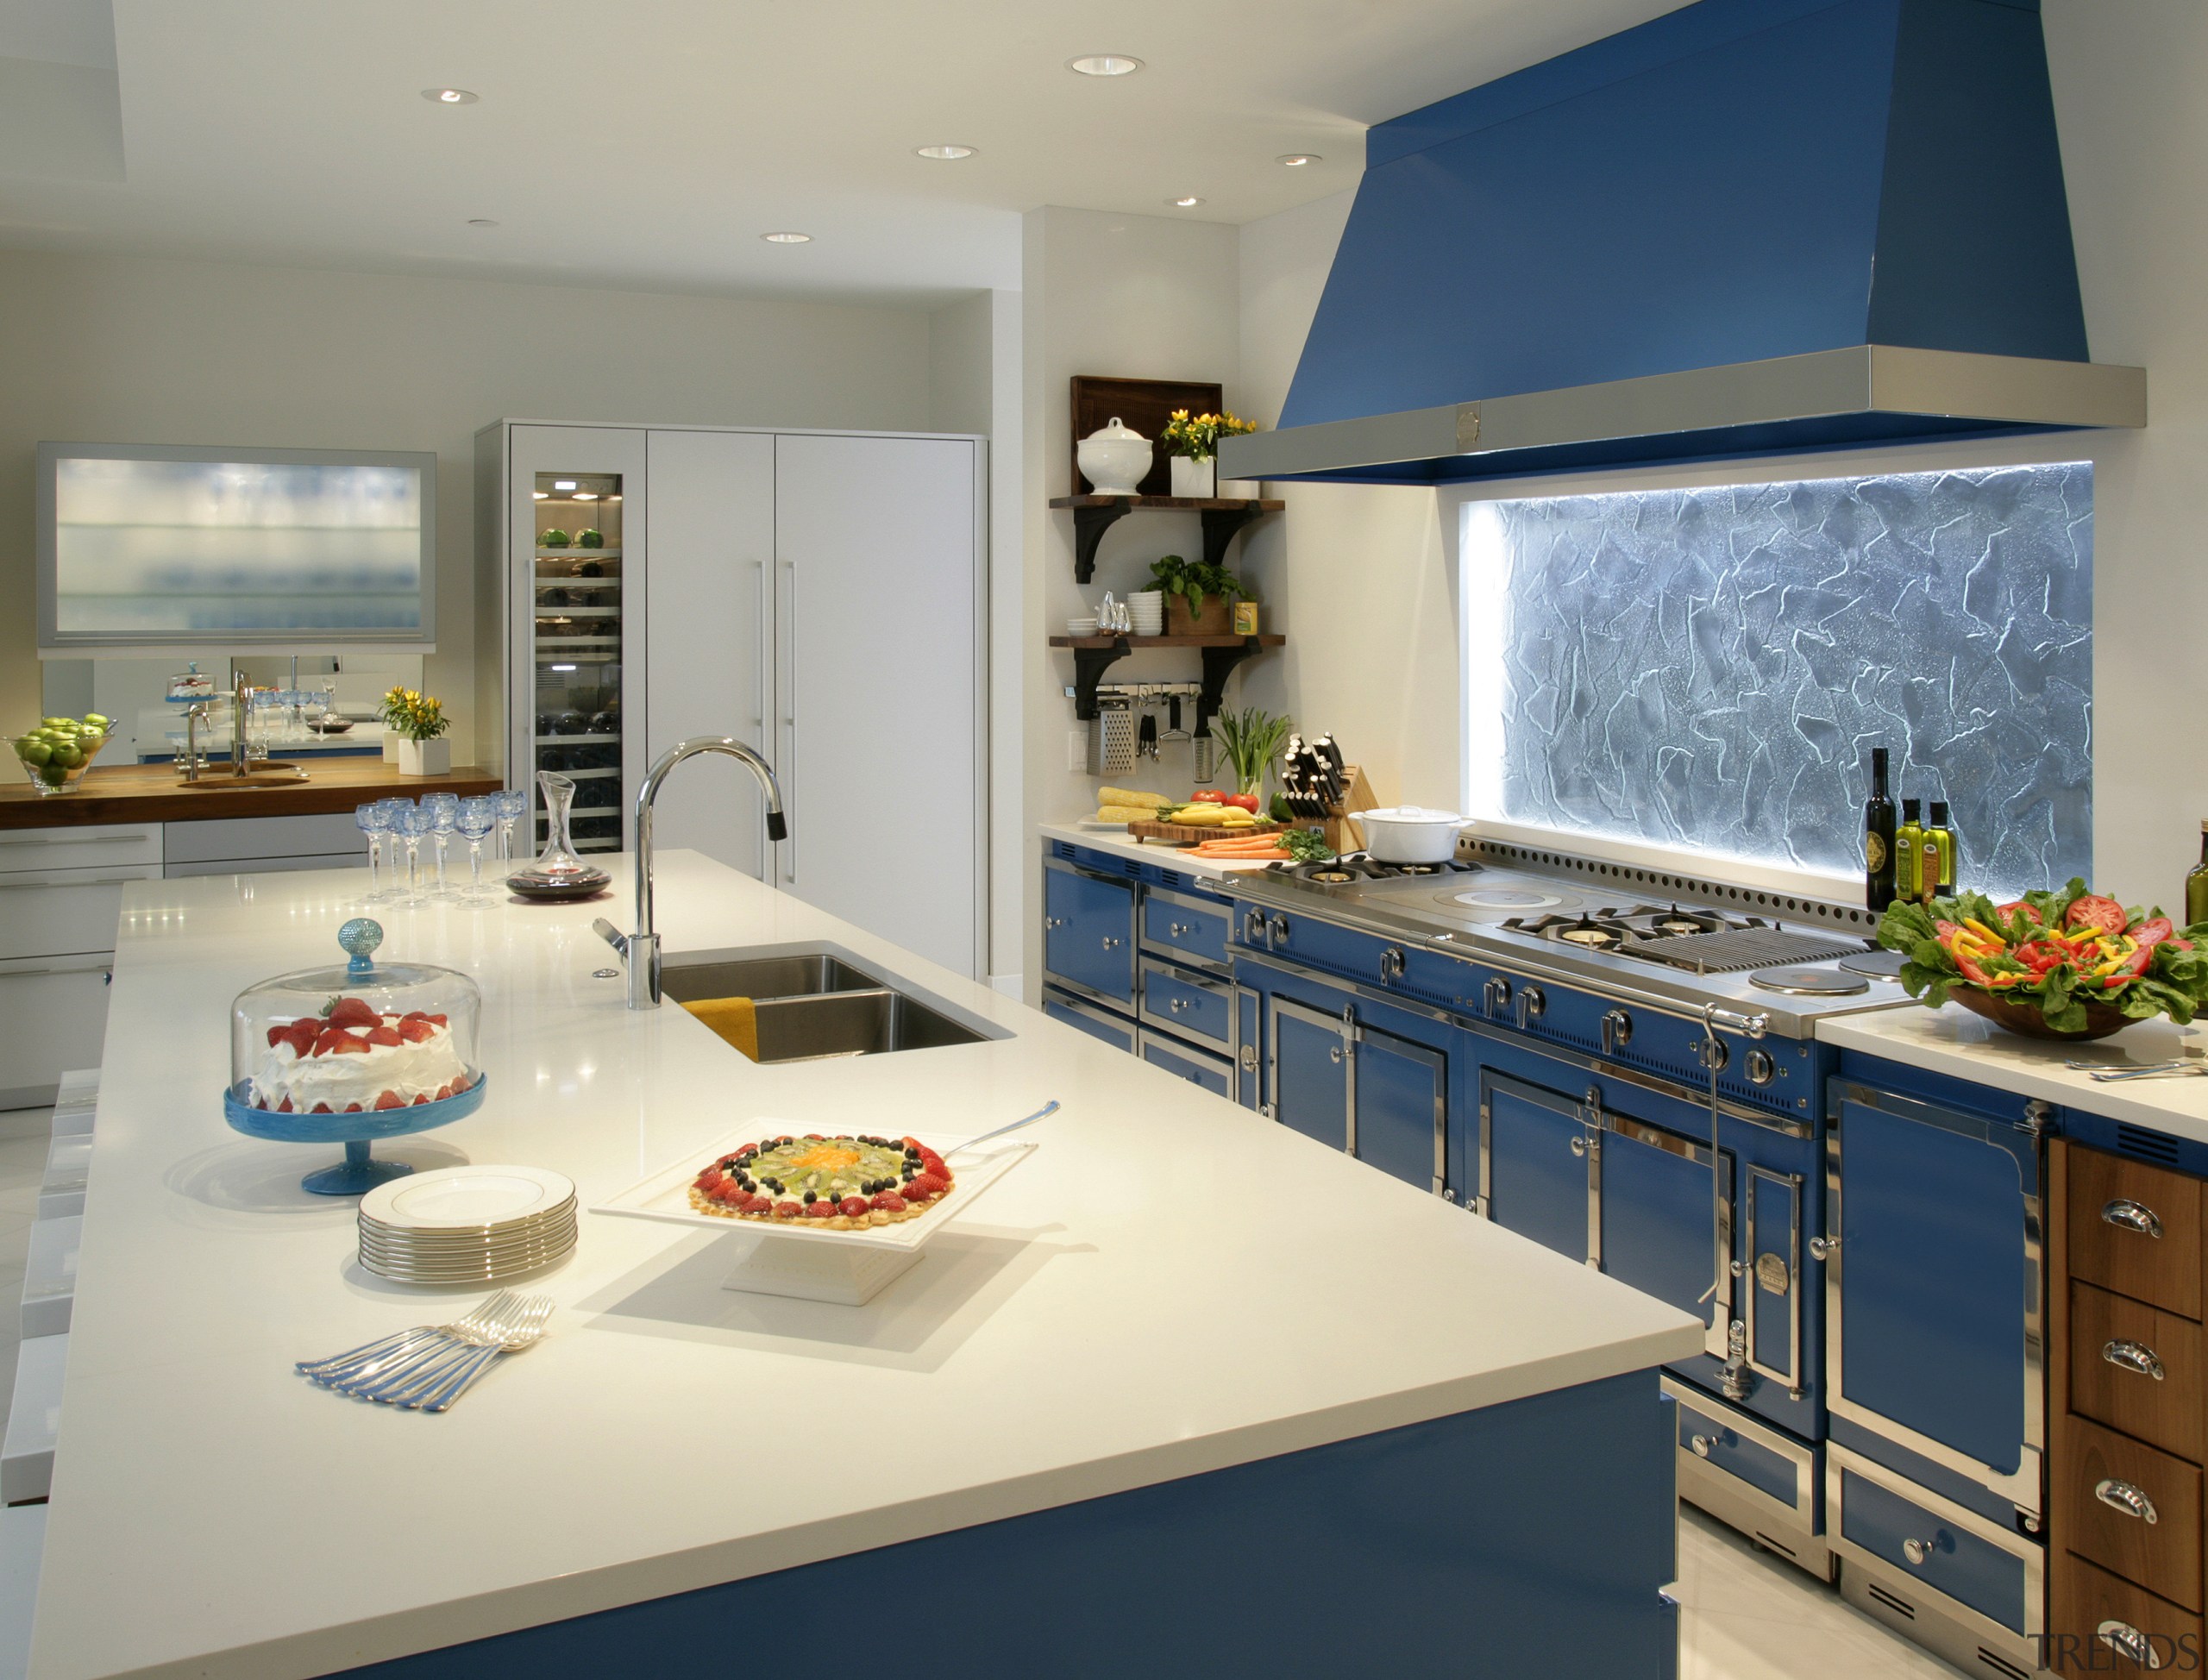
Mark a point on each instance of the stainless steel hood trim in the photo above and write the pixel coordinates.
(1863, 378)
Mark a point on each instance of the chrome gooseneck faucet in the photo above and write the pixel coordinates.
(640, 950)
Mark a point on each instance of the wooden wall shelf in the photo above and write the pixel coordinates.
(1092, 655)
(1095, 515)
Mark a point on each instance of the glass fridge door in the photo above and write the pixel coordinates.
(578, 607)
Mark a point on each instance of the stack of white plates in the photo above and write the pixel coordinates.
(468, 1225)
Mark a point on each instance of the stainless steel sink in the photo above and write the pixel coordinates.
(797, 975)
(809, 1005)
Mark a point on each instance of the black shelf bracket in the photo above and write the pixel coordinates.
(1089, 665)
(1220, 524)
(1218, 665)
(1089, 524)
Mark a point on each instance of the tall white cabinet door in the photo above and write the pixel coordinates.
(882, 685)
(713, 523)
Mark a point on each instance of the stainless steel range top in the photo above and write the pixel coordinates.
(1684, 951)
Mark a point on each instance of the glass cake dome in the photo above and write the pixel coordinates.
(352, 1053)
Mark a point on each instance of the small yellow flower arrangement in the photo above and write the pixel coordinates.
(417, 716)
(1196, 438)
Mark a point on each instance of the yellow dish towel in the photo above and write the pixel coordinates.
(735, 1020)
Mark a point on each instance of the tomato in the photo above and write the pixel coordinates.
(1971, 971)
(2042, 955)
(1247, 801)
(2095, 911)
(2153, 930)
(1208, 796)
(2006, 911)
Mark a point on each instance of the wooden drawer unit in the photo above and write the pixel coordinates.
(2136, 1229)
(2102, 1625)
(2137, 1369)
(2128, 1507)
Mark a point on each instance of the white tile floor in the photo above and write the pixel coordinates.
(1743, 1615)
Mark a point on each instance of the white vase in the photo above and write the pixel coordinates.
(390, 745)
(1194, 478)
(1114, 458)
(424, 758)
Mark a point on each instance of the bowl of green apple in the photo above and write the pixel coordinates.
(56, 755)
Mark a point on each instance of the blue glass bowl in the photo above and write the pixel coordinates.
(357, 1174)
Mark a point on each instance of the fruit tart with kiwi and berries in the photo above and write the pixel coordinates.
(830, 1183)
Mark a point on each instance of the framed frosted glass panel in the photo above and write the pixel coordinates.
(183, 548)
(1708, 669)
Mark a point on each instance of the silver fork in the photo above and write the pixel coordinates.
(526, 1334)
(485, 1327)
(401, 1349)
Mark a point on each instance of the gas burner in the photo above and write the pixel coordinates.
(1584, 930)
(1327, 875)
(1357, 866)
(1503, 897)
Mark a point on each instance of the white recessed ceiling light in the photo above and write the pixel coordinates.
(1187, 200)
(1297, 159)
(1104, 64)
(447, 96)
(945, 151)
(787, 239)
(480, 221)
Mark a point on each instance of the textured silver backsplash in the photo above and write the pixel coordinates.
(1710, 669)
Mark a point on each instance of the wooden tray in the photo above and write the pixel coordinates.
(1193, 833)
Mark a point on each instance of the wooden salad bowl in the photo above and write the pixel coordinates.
(2101, 1019)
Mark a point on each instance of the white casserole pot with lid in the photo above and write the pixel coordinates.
(1410, 834)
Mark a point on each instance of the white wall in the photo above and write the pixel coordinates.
(1146, 296)
(133, 350)
(1363, 575)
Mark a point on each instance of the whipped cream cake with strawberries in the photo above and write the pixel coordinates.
(350, 1059)
(838, 1183)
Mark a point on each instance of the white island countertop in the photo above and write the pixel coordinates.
(1951, 1040)
(1167, 1286)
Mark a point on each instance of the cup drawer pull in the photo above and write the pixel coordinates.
(2122, 1497)
(2129, 1642)
(2126, 1215)
(2134, 1356)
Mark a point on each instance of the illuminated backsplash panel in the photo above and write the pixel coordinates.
(1710, 669)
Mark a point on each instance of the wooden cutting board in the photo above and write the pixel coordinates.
(1190, 833)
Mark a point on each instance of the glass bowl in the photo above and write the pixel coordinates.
(57, 752)
(353, 1053)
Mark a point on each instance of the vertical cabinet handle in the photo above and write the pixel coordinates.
(2129, 1643)
(2136, 1357)
(2126, 1215)
(788, 766)
(2124, 1497)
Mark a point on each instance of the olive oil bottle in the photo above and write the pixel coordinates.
(2196, 885)
(1939, 823)
(1878, 837)
(1908, 839)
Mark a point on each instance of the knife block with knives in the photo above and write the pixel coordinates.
(1319, 787)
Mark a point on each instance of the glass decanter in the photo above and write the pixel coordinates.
(558, 869)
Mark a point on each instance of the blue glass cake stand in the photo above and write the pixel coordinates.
(295, 996)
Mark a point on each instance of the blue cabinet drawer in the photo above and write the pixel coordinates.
(1915, 1536)
(1747, 1452)
(1088, 933)
(1189, 1002)
(1102, 1024)
(1183, 926)
(1199, 1067)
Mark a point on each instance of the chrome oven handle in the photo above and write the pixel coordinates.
(2134, 1356)
(2124, 1497)
(2126, 1215)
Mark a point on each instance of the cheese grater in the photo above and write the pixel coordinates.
(1112, 738)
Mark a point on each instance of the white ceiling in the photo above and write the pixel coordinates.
(648, 143)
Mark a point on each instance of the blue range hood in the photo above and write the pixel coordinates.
(1750, 226)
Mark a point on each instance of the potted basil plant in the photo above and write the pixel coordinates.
(1204, 591)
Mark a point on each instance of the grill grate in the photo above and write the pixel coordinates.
(1740, 948)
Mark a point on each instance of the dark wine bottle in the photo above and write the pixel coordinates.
(1878, 837)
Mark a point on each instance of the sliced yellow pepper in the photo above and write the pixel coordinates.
(1983, 931)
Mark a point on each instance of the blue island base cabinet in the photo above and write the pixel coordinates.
(1531, 1538)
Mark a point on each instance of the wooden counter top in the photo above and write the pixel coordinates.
(154, 794)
